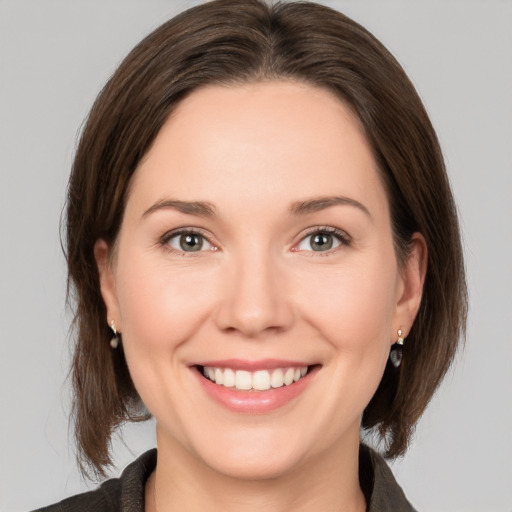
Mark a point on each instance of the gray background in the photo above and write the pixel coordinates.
(54, 58)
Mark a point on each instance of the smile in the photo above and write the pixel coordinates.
(260, 380)
(254, 387)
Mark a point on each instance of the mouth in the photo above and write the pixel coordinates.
(254, 387)
(259, 380)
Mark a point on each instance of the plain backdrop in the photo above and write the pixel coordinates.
(54, 58)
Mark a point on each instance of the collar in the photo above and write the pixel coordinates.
(382, 492)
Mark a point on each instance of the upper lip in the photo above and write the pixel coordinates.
(261, 364)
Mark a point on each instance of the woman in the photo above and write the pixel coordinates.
(265, 254)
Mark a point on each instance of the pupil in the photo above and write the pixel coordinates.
(322, 242)
(191, 242)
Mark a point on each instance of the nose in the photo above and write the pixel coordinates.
(255, 300)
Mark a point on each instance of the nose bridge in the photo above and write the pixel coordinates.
(255, 300)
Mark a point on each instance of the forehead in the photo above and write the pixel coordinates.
(272, 140)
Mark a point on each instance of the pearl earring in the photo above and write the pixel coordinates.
(114, 342)
(396, 350)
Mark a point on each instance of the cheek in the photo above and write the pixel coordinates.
(351, 301)
(161, 305)
(352, 308)
(355, 317)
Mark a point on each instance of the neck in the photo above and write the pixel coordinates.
(328, 482)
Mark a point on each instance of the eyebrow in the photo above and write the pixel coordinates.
(321, 203)
(200, 208)
(205, 209)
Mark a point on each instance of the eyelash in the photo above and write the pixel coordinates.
(342, 237)
(165, 239)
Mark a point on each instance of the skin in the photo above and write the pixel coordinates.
(258, 290)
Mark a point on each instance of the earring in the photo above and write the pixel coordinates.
(114, 342)
(396, 350)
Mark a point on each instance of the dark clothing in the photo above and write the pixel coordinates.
(382, 492)
(126, 494)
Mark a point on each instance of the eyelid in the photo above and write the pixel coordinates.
(164, 240)
(343, 237)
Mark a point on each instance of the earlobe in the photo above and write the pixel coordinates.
(413, 275)
(102, 255)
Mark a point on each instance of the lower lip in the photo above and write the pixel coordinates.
(254, 402)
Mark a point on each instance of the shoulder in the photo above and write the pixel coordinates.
(382, 492)
(125, 493)
(104, 498)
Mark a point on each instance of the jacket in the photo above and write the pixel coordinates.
(126, 494)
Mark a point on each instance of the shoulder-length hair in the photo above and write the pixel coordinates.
(234, 42)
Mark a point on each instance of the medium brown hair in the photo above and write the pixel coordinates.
(241, 41)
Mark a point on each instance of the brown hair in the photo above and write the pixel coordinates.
(240, 41)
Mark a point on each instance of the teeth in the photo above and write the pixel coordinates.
(229, 378)
(288, 376)
(243, 380)
(277, 378)
(260, 380)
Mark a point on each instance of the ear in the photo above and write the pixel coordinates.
(411, 291)
(103, 257)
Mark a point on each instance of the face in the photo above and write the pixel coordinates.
(254, 279)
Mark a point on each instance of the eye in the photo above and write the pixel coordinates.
(323, 240)
(188, 241)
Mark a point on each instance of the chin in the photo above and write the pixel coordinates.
(257, 466)
(256, 452)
